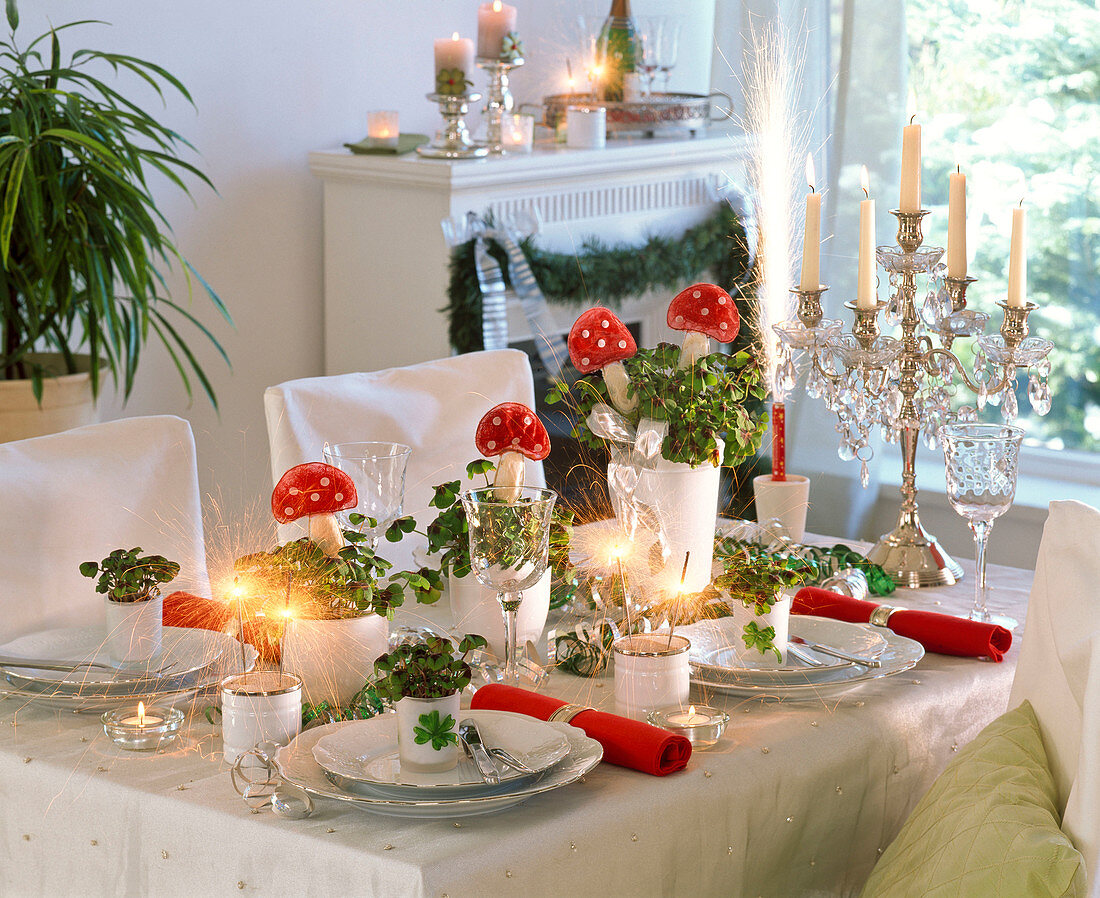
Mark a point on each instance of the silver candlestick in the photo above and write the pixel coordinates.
(500, 99)
(453, 140)
(906, 386)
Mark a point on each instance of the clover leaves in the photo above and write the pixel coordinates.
(440, 733)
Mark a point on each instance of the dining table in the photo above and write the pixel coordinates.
(798, 797)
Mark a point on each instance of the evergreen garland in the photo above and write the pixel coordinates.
(606, 275)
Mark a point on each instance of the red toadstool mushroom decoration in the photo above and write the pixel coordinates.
(512, 431)
(599, 341)
(704, 311)
(317, 490)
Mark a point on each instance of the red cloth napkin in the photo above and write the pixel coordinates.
(940, 633)
(627, 743)
(182, 609)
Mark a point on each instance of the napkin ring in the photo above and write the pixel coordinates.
(880, 617)
(566, 713)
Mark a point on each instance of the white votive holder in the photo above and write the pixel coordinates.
(586, 127)
(701, 725)
(137, 728)
(260, 706)
(517, 132)
(383, 128)
(651, 671)
(783, 500)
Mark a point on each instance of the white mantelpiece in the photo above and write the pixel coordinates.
(386, 258)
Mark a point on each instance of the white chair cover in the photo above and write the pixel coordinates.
(433, 407)
(1059, 668)
(76, 496)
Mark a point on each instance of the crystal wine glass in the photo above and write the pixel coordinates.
(667, 50)
(649, 34)
(378, 471)
(982, 461)
(509, 547)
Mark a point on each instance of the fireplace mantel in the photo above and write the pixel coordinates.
(385, 258)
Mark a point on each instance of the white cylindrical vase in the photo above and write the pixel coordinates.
(651, 672)
(778, 617)
(783, 500)
(424, 757)
(134, 631)
(475, 609)
(586, 127)
(334, 658)
(259, 706)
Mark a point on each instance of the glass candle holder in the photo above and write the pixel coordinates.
(651, 671)
(517, 132)
(260, 706)
(701, 725)
(586, 127)
(383, 128)
(137, 728)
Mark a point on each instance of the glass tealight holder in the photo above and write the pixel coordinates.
(651, 671)
(137, 728)
(701, 725)
(259, 706)
(517, 132)
(383, 128)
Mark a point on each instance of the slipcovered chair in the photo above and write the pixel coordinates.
(432, 407)
(75, 496)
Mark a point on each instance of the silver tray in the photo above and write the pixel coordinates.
(657, 114)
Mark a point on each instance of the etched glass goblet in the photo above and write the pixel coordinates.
(509, 548)
(378, 471)
(982, 463)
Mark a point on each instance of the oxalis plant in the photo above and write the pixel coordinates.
(128, 576)
(355, 582)
(720, 397)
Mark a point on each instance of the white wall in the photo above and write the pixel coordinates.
(271, 81)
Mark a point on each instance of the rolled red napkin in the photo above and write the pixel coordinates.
(944, 634)
(626, 742)
(183, 609)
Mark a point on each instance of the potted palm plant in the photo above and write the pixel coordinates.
(84, 250)
(130, 584)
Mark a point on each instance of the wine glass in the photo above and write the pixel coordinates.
(378, 472)
(667, 50)
(509, 546)
(982, 461)
(649, 34)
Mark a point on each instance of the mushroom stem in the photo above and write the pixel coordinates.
(325, 532)
(509, 476)
(694, 347)
(618, 387)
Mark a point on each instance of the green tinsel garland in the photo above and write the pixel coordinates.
(606, 275)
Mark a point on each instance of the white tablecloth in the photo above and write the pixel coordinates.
(798, 799)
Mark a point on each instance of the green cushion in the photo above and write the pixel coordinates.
(988, 826)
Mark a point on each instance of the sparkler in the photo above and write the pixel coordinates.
(683, 578)
(238, 594)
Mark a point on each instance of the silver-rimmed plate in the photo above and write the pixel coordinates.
(719, 653)
(363, 757)
(900, 654)
(297, 766)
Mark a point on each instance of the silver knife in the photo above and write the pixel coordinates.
(836, 653)
(469, 733)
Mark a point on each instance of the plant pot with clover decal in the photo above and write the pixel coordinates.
(424, 682)
(130, 584)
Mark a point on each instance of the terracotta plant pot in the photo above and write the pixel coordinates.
(134, 631)
(334, 658)
(423, 757)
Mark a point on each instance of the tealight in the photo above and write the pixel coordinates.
(702, 725)
(517, 132)
(142, 729)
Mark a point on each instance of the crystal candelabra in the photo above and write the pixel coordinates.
(453, 140)
(499, 99)
(906, 386)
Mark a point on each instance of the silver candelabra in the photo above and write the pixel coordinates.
(906, 386)
(499, 100)
(453, 140)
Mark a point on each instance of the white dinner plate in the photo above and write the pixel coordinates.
(900, 654)
(365, 753)
(297, 766)
(719, 653)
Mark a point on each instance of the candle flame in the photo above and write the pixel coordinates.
(496, 6)
(141, 714)
(865, 180)
(454, 36)
(810, 179)
(691, 710)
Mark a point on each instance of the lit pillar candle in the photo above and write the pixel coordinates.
(1017, 259)
(866, 287)
(811, 240)
(454, 53)
(910, 169)
(494, 21)
(956, 226)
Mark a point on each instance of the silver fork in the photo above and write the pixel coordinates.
(73, 667)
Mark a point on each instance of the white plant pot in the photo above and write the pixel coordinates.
(334, 658)
(134, 631)
(685, 499)
(779, 617)
(475, 609)
(783, 500)
(651, 672)
(423, 758)
(66, 401)
(259, 706)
